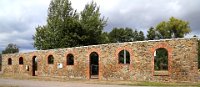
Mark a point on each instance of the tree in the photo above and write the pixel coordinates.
(121, 35)
(174, 28)
(105, 38)
(140, 36)
(125, 35)
(92, 24)
(11, 48)
(62, 28)
(151, 34)
(65, 28)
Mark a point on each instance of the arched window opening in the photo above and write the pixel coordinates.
(50, 59)
(124, 57)
(9, 61)
(70, 59)
(161, 59)
(21, 62)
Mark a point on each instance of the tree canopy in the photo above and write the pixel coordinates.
(11, 48)
(92, 24)
(66, 28)
(125, 35)
(151, 33)
(174, 28)
(60, 28)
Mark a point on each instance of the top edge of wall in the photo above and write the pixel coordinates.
(158, 40)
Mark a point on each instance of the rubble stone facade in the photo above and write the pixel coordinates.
(182, 61)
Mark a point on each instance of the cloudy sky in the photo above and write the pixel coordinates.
(18, 18)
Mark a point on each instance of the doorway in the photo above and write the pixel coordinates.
(34, 66)
(94, 65)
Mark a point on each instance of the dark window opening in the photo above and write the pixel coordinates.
(70, 59)
(124, 57)
(50, 59)
(21, 62)
(9, 61)
(161, 59)
(35, 62)
(34, 65)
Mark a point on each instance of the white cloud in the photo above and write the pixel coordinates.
(18, 18)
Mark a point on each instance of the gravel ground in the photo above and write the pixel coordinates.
(35, 83)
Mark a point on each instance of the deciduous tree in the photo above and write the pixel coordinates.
(11, 48)
(174, 28)
(151, 34)
(125, 35)
(92, 24)
(66, 28)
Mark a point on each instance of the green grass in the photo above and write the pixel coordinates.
(160, 84)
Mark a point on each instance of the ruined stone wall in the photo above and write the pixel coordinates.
(182, 61)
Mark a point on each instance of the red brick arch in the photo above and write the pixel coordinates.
(21, 56)
(169, 49)
(47, 58)
(46, 61)
(21, 66)
(98, 51)
(74, 53)
(39, 62)
(124, 48)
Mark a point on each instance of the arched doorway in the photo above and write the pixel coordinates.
(34, 65)
(94, 65)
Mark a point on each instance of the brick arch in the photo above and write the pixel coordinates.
(18, 59)
(169, 50)
(124, 48)
(131, 56)
(9, 61)
(39, 62)
(21, 66)
(74, 53)
(47, 55)
(46, 61)
(34, 55)
(98, 51)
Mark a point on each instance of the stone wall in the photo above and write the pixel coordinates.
(182, 61)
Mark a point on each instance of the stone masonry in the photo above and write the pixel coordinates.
(182, 61)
